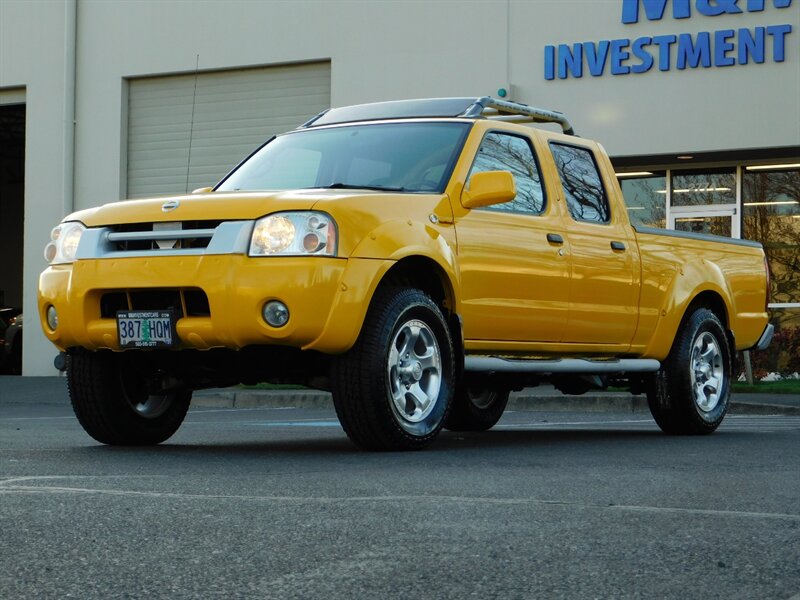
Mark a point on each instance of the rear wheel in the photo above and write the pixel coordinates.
(110, 397)
(392, 390)
(476, 408)
(691, 392)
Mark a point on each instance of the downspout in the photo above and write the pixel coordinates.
(70, 84)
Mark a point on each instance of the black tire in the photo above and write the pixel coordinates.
(113, 406)
(691, 392)
(476, 408)
(374, 383)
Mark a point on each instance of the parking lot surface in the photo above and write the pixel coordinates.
(277, 503)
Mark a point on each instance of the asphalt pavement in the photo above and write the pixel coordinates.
(277, 503)
(53, 390)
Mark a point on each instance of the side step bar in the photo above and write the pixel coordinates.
(581, 366)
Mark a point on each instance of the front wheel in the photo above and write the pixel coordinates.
(691, 392)
(392, 390)
(114, 406)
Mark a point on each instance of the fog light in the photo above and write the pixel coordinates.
(52, 318)
(276, 313)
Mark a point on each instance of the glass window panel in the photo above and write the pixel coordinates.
(646, 199)
(771, 215)
(713, 225)
(503, 152)
(417, 157)
(583, 187)
(700, 188)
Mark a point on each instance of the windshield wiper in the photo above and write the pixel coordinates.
(351, 186)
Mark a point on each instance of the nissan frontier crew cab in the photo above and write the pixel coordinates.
(419, 259)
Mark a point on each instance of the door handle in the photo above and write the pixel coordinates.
(617, 246)
(554, 238)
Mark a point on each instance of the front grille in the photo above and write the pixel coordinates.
(186, 302)
(146, 236)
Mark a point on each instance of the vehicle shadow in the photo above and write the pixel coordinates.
(450, 443)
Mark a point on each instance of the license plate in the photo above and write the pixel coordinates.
(146, 328)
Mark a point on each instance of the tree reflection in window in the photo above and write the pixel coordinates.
(582, 184)
(503, 152)
(772, 217)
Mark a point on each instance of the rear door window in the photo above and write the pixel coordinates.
(582, 183)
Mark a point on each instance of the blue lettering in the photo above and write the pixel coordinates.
(664, 43)
(642, 54)
(619, 54)
(681, 9)
(549, 62)
(596, 56)
(693, 54)
(570, 61)
(751, 46)
(654, 10)
(714, 8)
(779, 33)
(722, 46)
(758, 5)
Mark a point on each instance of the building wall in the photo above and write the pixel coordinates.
(378, 50)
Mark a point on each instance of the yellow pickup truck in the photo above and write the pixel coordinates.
(419, 259)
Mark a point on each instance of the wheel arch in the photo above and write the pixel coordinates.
(429, 276)
(710, 296)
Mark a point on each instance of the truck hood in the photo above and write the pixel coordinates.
(211, 206)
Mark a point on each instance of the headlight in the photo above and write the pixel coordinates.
(294, 234)
(64, 243)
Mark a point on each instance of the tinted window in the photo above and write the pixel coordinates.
(503, 152)
(582, 183)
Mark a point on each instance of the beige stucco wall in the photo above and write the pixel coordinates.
(379, 50)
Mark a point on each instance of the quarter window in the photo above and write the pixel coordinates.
(504, 152)
(583, 186)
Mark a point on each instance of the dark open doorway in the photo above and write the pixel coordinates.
(12, 217)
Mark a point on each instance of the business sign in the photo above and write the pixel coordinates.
(721, 48)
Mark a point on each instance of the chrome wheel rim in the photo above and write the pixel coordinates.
(707, 372)
(414, 372)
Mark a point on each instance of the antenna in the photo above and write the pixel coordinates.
(191, 122)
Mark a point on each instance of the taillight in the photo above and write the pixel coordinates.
(766, 295)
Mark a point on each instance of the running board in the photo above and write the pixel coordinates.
(579, 366)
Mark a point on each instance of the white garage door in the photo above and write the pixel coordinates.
(228, 115)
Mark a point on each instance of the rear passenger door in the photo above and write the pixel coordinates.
(604, 288)
(514, 281)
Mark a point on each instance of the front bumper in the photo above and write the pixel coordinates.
(327, 299)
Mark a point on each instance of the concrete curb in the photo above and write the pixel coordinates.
(521, 401)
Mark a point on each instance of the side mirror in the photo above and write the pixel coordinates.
(202, 190)
(488, 188)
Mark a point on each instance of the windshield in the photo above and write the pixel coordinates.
(408, 157)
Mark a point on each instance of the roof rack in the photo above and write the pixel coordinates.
(474, 108)
(505, 110)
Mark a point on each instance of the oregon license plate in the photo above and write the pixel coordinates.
(146, 328)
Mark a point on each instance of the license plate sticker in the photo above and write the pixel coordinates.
(146, 328)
